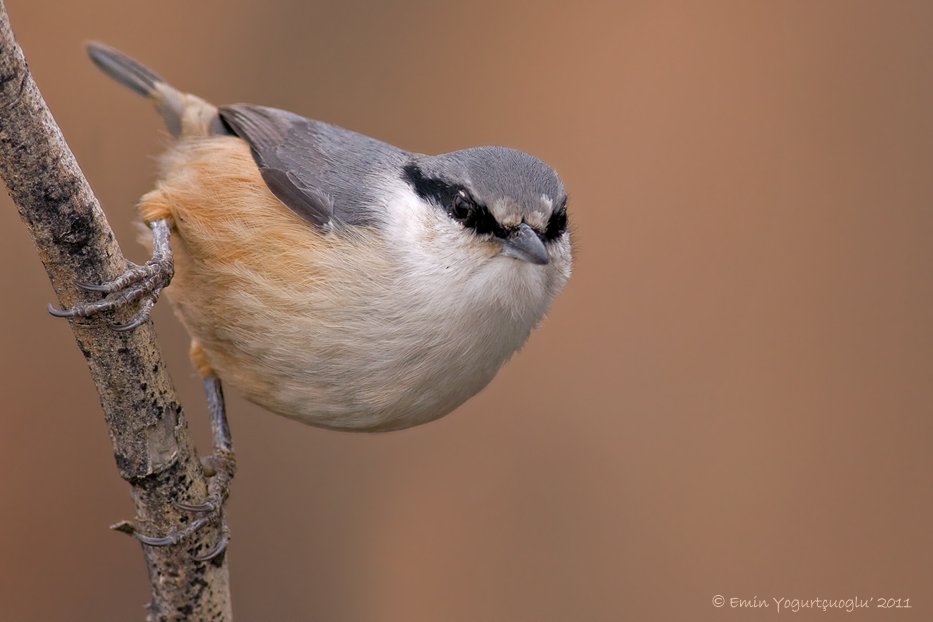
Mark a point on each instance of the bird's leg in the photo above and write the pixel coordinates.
(220, 467)
(146, 282)
(138, 282)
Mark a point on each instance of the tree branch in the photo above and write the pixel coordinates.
(151, 444)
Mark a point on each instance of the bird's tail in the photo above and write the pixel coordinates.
(184, 114)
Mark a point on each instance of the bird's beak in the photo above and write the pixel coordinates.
(525, 244)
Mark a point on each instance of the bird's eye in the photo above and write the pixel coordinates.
(462, 206)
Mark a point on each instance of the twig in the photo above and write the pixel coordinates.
(151, 444)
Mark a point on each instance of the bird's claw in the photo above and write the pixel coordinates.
(219, 548)
(220, 468)
(138, 282)
(207, 506)
(212, 508)
(179, 535)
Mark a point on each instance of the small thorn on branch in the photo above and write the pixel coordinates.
(126, 527)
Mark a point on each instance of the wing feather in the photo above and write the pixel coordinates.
(324, 173)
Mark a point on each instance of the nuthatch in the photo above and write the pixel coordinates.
(333, 278)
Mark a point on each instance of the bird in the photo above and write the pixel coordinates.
(333, 278)
(338, 280)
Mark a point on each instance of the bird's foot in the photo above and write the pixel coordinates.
(138, 282)
(220, 467)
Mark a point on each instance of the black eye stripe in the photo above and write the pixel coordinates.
(481, 221)
(557, 224)
(455, 199)
(460, 206)
(429, 188)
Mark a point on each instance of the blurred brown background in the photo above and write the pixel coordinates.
(731, 397)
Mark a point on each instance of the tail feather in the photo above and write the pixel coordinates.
(124, 69)
(183, 114)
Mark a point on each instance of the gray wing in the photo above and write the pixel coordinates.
(323, 173)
